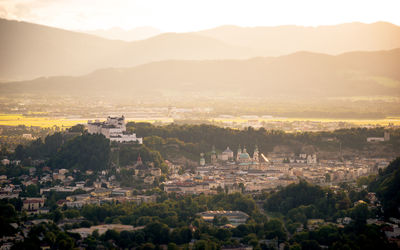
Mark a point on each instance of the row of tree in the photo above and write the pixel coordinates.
(195, 139)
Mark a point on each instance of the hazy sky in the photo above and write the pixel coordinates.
(190, 15)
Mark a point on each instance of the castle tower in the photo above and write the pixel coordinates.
(255, 155)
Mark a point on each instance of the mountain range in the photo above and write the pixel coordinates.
(302, 74)
(117, 33)
(29, 50)
(334, 39)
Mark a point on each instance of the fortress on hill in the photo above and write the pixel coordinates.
(114, 129)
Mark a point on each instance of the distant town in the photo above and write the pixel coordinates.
(230, 171)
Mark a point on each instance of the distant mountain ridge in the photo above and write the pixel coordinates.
(139, 33)
(300, 75)
(29, 50)
(331, 39)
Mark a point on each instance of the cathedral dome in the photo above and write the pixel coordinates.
(244, 156)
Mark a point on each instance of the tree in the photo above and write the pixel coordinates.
(387, 187)
(360, 214)
(86, 152)
(147, 246)
(57, 215)
(19, 152)
(172, 246)
(157, 232)
(223, 234)
(310, 245)
(78, 128)
(293, 196)
(327, 177)
(32, 190)
(274, 229)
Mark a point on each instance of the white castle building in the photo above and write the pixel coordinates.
(114, 129)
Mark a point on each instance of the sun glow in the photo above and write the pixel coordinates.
(190, 15)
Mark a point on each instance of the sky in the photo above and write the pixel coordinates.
(193, 15)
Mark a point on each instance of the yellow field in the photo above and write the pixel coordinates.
(46, 122)
(382, 122)
(19, 119)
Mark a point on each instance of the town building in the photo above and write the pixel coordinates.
(386, 137)
(234, 217)
(34, 205)
(245, 160)
(85, 232)
(202, 160)
(227, 155)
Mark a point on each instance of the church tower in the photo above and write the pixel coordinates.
(213, 155)
(202, 160)
(255, 155)
(239, 152)
(386, 136)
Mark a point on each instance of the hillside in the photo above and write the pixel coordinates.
(387, 187)
(334, 39)
(116, 33)
(29, 50)
(301, 74)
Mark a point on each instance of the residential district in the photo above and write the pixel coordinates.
(228, 171)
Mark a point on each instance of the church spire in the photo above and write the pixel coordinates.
(255, 154)
(213, 155)
(239, 151)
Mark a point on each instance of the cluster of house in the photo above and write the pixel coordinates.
(243, 158)
(113, 128)
(23, 228)
(101, 229)
(257, 172)
(104, 189)
(269, 123)
(143, 171)
(105, 195)
(6, 162)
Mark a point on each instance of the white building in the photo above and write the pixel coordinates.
(226, 155)
(5, 162)
(114, 129)
(375, 139)
(386, 137)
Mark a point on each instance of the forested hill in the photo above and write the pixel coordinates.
(387, 187)
(194, 139)
(83, 152)
(186, 142)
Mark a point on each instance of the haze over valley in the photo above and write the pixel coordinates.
(30, 50)
(271, 66)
